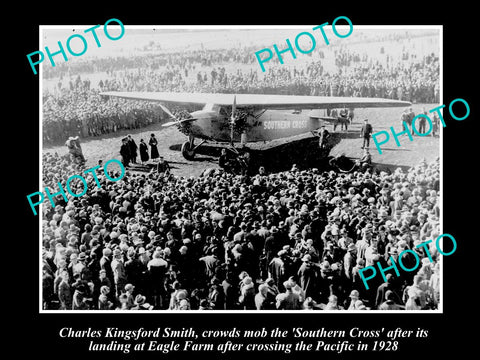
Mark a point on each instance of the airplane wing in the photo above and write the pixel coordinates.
(259, 101)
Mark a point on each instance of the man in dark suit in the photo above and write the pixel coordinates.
(276, 268)
(366, 132)
(133, 149)
(64, 292)
(163, 167)
(105, 264)
(383, 288)
(134, 270)
(343, 118)
(125, 152)
(224, 161)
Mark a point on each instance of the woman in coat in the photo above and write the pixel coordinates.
(143, 151)
(153, 145)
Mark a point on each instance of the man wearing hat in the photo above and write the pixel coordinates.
(354, 297)
(350, 260)
(272, 245)
(288, 300)
(133, 148)
(366, 132)
(163, 168)
(81, 299)
(81, 267)
(216, 296)
(261, 299)
(386, 287)
(125, 152)
(64, 291)
(276, 268)
(134, 270)
(76, 263)
(247, 294)
(180, 300)
(409, 261)
(297, 289)
(128, 290)
(390, 302)
(311, 250)
(407, 118)
(106, 264)
(157, 269)
(104, 302)
(140, 304)
(357, 282)
(307, 275)
(332, 303)
(324, 282)
(118, 270)
(103, 280)
(209, 263)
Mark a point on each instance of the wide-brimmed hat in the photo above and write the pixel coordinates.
(325, 266)
(354, 293)
(306, 257)
(181, 295)
(129, 287)
(281, 253)
(140, 299)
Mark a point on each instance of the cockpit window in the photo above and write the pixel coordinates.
(212, 107)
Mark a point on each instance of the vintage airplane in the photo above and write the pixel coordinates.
(231, 118)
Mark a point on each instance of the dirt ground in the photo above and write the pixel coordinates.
(276, 155)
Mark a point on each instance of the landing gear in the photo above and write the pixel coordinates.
(187, 151)
(189, 148)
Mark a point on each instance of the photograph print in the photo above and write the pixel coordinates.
(186, 174)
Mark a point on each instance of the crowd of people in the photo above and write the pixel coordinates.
(293, 240)
(78, 109)
(81, 111)
(415, 81)
(188, 60)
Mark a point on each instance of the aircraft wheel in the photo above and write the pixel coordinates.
(187, 151)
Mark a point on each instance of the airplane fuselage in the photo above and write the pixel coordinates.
(265, 125)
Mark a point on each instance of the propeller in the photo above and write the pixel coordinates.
(176, 121)
(164, 108)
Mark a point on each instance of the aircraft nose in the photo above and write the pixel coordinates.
(202, 127)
